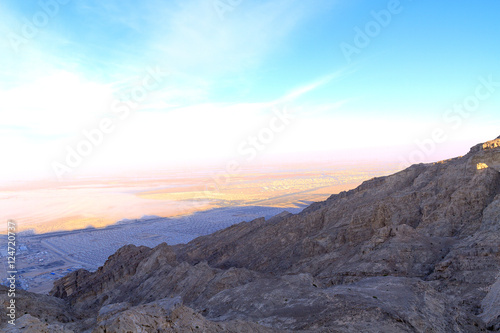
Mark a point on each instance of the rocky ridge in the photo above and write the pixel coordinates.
(417, 251)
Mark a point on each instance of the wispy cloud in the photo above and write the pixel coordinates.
(193, 41)
(298, 92)
(120, 39)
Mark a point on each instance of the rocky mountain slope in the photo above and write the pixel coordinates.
(417, 251)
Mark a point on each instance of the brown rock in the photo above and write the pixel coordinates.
(417, 251)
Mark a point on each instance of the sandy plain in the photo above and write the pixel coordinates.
(48, 206)
(66, 226)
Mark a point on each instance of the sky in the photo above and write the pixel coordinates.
(99, 87)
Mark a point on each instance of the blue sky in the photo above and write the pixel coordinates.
(228, 66)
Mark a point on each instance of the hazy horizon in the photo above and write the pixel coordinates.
(92, 88)
(47, 206)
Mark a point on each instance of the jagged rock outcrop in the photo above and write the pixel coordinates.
(29, 324)
(417, 251)
(166, 315)
(44, 307)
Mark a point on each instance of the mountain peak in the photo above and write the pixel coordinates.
(492, 144)
(486, 155)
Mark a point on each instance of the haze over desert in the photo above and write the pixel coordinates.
(99, 202)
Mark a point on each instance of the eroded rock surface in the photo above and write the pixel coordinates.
(417, 251)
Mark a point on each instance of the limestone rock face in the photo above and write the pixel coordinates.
(417, 251)
(43, 307)
(151, 317)
(485, 159)
(30, 324)
(167, 315)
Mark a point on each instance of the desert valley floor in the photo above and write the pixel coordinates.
(71, 225)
